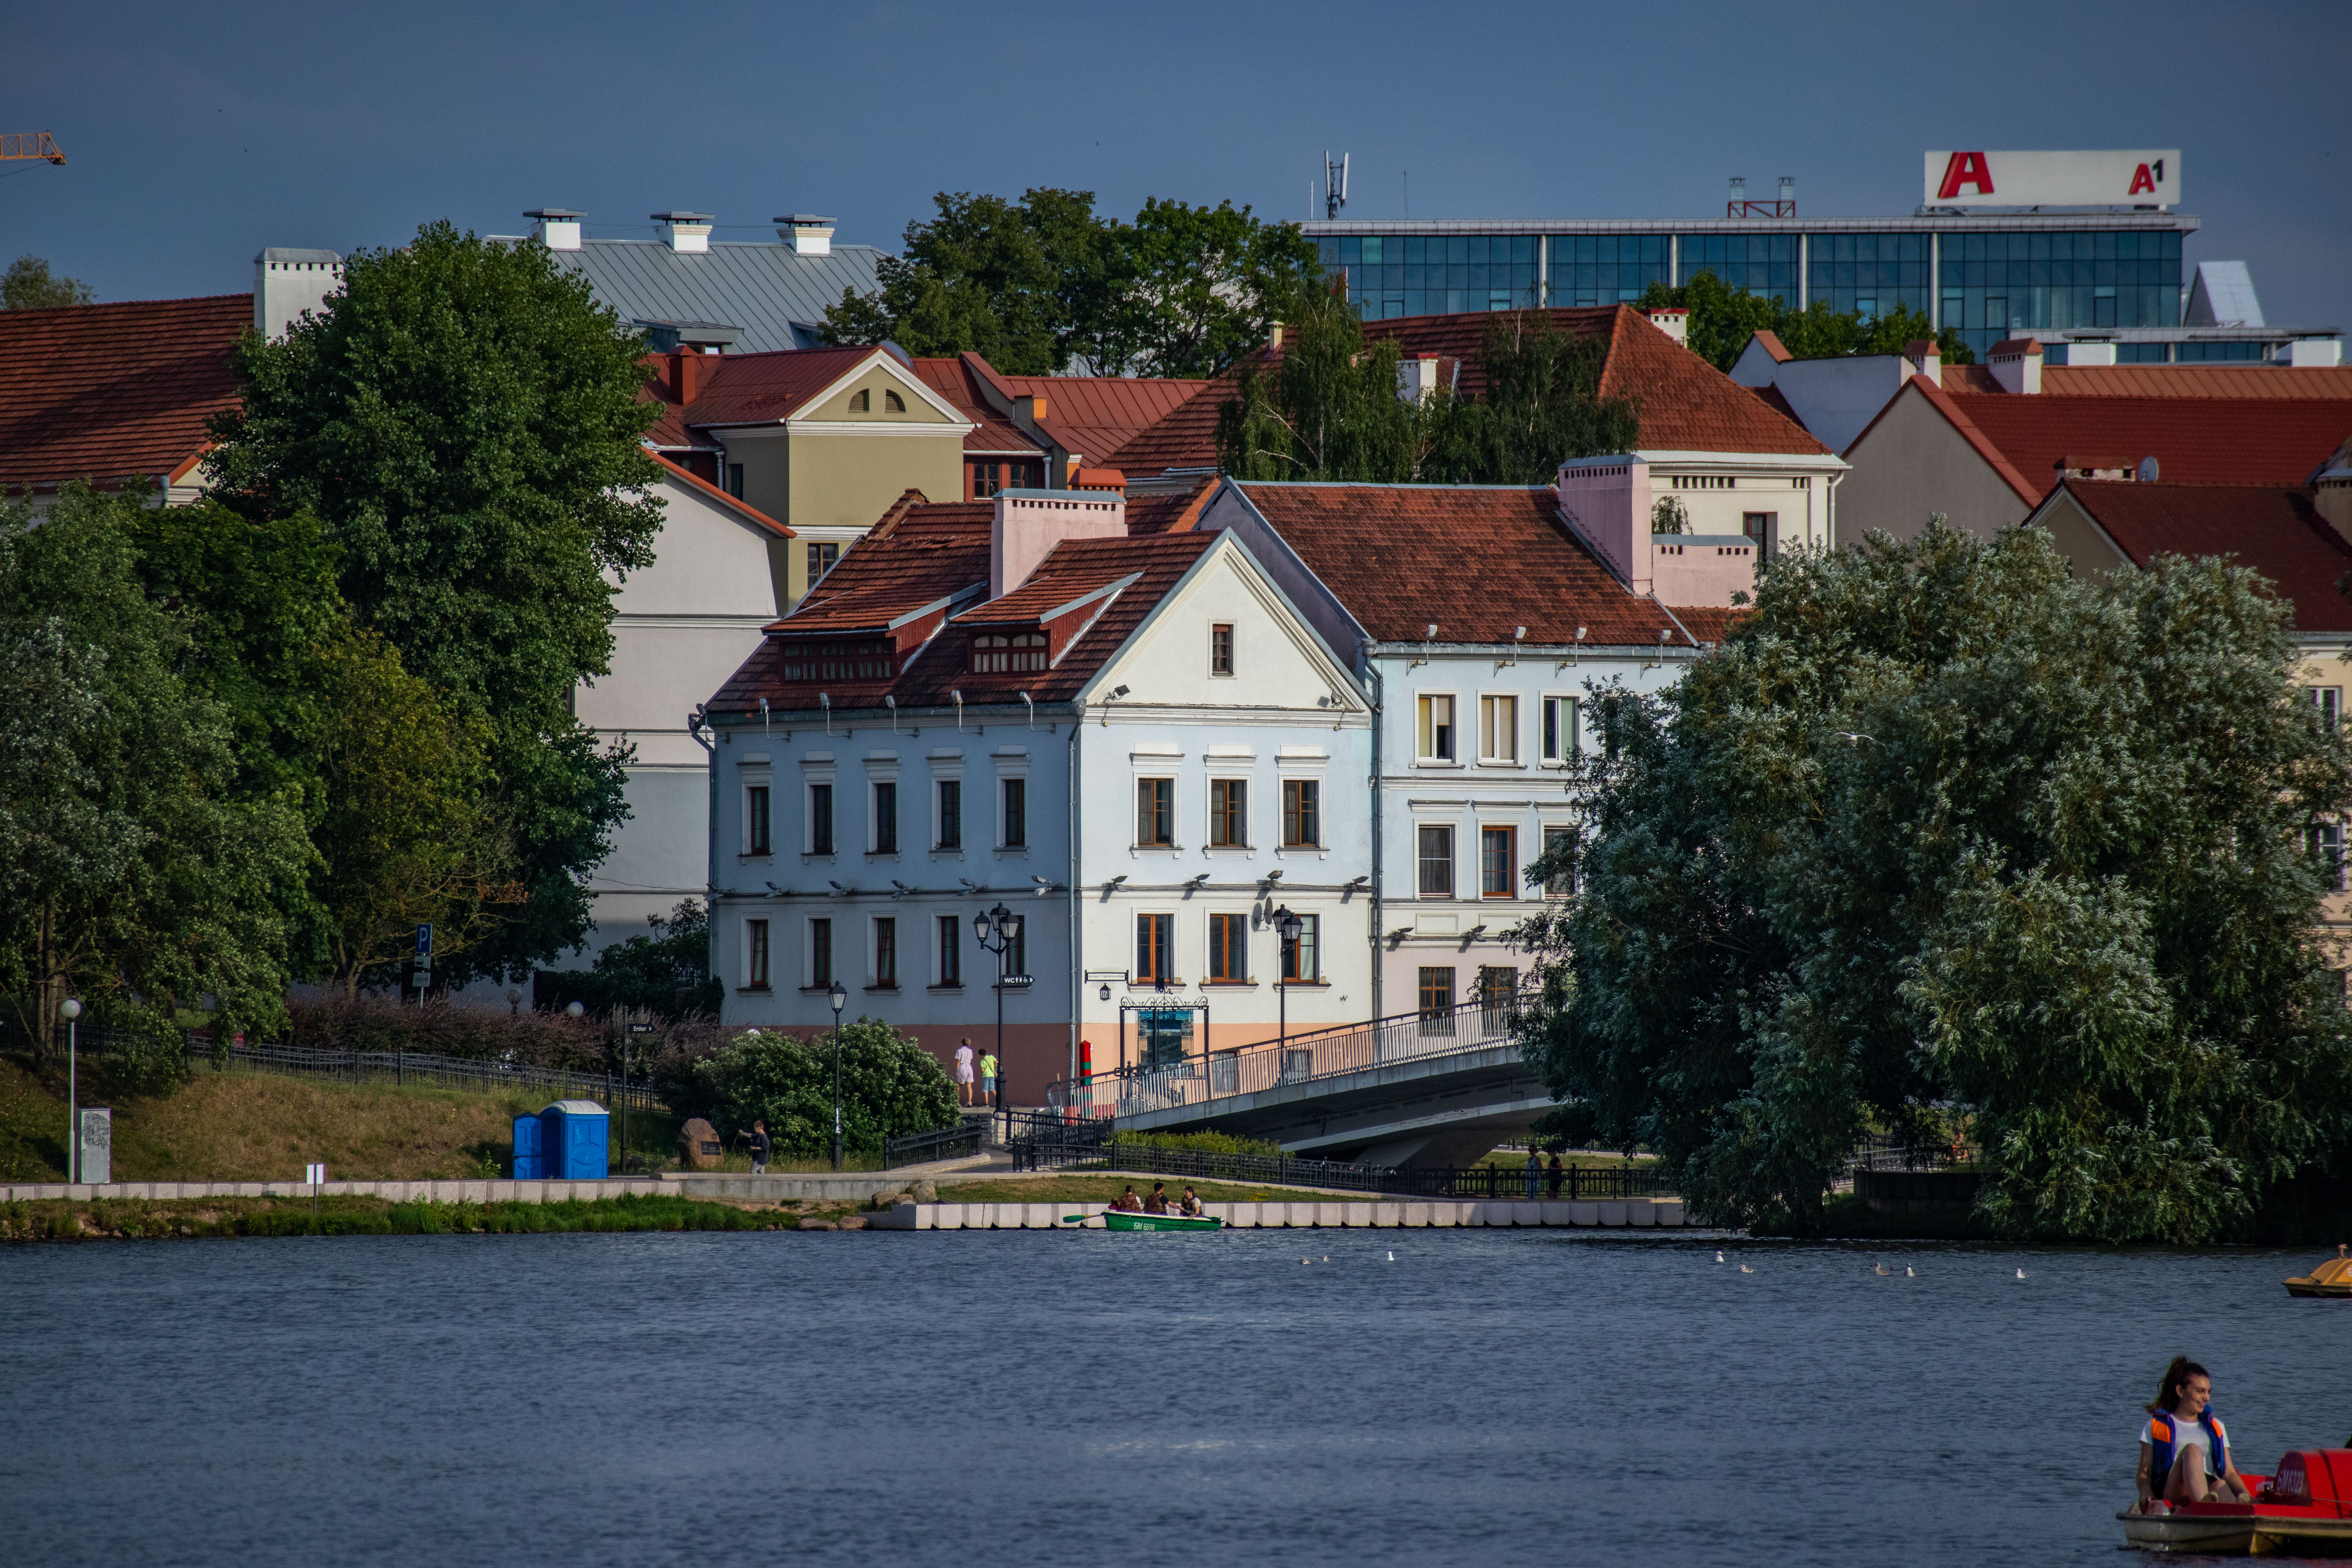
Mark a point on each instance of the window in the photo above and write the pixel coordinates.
(1229, 814)
(1302, 814)
(1436, 729)
(1016, 813)
(2328, 847)
(2327, 702)
(997, 655)
(951, 792)
(1559, 739)
(1154, 961)
(859, 660)
(984, 480)
(1760, 526)
(1016, 950)
(1228, 954)
(860, 401)
(1301, 959)
(886, 819)
(1499, 988)
(821, 558)
(820, 953)
(1497, 862)
(886, 952)
(755, 955)
(1498, 729)
(756, 834)
(1436, 862)
(1560, 847)
(950, 950)
(735, 481)
(892, 403)
(1155, 813)
(820, 819)
(1221, 650)
(1436, 998)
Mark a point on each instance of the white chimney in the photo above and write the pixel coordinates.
(1417, 378)
(809, 234)
(2090, 353)
(559, 227)
(1673, 321)
(2315, 351)
(288, 283)
(2016, 365)
(686, 234)
(1925, 359)
(1027, 527)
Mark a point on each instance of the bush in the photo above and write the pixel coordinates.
(666, 974)
(440, 1027)
(1201, 1143)
(890, 1086)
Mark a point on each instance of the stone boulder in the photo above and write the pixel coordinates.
(926, 1192)
(699, 1148)
(813, 1223)
(853, 1222)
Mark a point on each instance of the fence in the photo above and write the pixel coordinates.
(1296, 1058)
(488, 1075)
(941, 1143)
(1878, 1152)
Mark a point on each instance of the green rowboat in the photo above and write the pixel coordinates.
(1128, 1219)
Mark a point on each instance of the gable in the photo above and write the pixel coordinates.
(881, 391)
(1278, 661)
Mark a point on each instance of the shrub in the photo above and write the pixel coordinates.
(890, 1086)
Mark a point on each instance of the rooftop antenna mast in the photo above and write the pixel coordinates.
(1335, 185)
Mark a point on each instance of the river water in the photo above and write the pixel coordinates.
(1503, 1397)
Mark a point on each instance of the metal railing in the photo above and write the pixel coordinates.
(1878, 1152)
(478, 1073)
(939, 1144)
(1296, 1058)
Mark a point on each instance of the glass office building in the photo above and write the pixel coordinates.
(1986, 278)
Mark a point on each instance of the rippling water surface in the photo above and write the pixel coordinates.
(1090, 1398)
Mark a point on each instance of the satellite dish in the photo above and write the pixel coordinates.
(2147, 470)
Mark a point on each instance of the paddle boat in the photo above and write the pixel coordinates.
(1129, 1219)
(2332, 1278)
(2303, 1509)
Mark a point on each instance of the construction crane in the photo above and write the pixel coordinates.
(29, 144)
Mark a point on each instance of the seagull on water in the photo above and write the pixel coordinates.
(1718, 1257)
(1391, 1258)
(2021, 1274)
(1881, 1269)
(1908, 1273)
(1745, 1270)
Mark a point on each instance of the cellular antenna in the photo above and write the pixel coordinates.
(1335, 185)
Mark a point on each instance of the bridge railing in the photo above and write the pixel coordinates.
(1291, 1060)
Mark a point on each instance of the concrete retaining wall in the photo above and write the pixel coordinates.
(1404, 1213)
(497, 1192)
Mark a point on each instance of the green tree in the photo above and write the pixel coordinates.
(1943, 833)
(131, 872)
(1326, 408)
(1542, 405)
(890, 1086)
(1722, 320)
(28, 285)
(464, 419)
(667, 973)
(1195, 289)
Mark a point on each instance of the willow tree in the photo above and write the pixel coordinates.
(1326, 408)
(1942, 835)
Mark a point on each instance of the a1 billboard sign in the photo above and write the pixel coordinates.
(2149, 177)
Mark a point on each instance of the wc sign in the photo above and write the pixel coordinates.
(2149, 177)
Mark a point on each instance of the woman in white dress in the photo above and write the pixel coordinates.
(964, 1073)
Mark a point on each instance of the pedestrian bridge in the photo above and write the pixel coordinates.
(1436, 1089)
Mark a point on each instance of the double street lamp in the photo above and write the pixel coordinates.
(839, 997)
(1287, 926)
(997, 931)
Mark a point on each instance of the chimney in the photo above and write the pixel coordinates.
(685, 369)
(1417, 378)
(2016, 365)
(1673, 321)
(288, 283)
(2090, 353)
(559, 227)
(1925, 359)
(1027, 527)
(1274, 336)
(808, 234)
(686, 234)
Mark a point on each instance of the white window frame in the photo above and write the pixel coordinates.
(1453, 700)
(1452, 861)
(1136, 779)
(1572, 738)
(1209, 945)
(1248, 846)
(1517, 705)
(1311, 922)
(1233, 626)
(2328, 702)
(1282, 814)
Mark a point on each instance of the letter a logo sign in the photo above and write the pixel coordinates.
(1970, 169)
(2142, 181)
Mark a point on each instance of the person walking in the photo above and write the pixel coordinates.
(990, 1095)
(760, 1147)
(963, 1072)
(1535, 1171)
(1553, 1175)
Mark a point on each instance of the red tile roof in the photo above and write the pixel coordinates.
(1684, 403)
(1479, 561)
(2195, 441)
(996, 435)
(104, 391)
(1097, 414)
(743, 389)
(2168, 381)
(2272, 528)
(695, 482)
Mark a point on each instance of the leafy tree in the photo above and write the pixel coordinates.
(1722, 320)
(1327, 409)
(28, 285)
(131, 871)
(464, 419)
(1195, 289)
(1542, 406)
(667, 973)
(1942, 834)
(890, 1086)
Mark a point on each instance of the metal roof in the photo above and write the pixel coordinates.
(773, 294)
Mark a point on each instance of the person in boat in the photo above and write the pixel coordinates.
(1157, 1202)
(2184, 1449)
(1189, 1204)
(1128, 1202)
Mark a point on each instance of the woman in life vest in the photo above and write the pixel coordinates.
(2184, 1449)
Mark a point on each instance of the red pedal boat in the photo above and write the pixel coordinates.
(2306, 1509)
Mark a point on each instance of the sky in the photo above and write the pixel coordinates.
(197, 134)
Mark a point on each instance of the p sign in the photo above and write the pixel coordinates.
(2145, 177)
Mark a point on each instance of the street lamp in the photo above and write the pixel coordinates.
(1288, 925)
(1004, 927)
(514, 1001)
(70, 1010)
(575, 1009)
(839, 997)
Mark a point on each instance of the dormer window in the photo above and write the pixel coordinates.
(860, 401)
(997, 655)
(892, 403)
(837, 661)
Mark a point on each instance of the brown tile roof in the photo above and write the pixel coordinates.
(1479, 561)
(1684, 403)
(996, 435)
(742, 389)
(2195, 441)
(742, 509)
(1101, 413)
(104, 391)
(1174, 511)
(2169, 380)
(2272, 528)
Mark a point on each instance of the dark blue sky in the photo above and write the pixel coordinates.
(197, 134)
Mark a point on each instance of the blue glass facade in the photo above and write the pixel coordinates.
(1607, 268)
(1433, 275)
(2000, 285)
(1871, 273)
(1762, 264)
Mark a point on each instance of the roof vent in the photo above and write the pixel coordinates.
(808, 234)
(686, 234)
(559, 227)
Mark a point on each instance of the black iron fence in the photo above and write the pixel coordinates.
(939, 1144)
(481, 1074)
(1878, 1152)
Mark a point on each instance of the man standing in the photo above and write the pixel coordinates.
(988, 1094)
(760, 1147)
(963, 1072)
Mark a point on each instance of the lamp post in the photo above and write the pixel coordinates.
(514, 1001)
(1004, 927)
(70, 1011)
(1288, 925)
(839, 997)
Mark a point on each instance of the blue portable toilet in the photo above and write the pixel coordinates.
(530, 1164)
(572, 1141)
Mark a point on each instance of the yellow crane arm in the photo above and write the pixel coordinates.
(16, 144)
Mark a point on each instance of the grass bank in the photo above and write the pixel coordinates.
(172, 1219)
